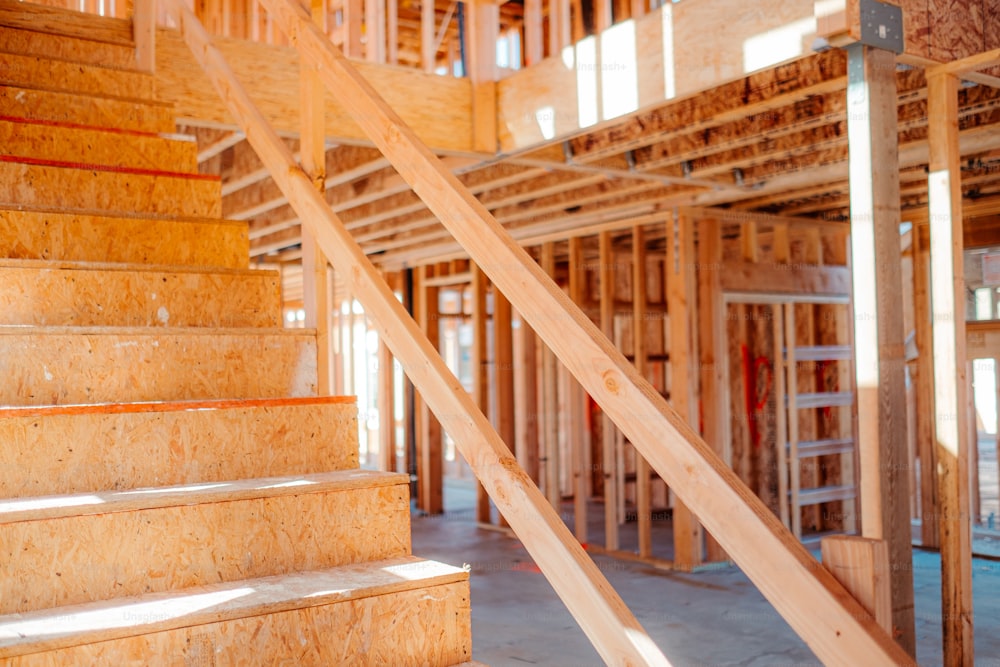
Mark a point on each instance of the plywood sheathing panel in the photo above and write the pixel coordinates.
(92, 146)
(29, 42)
(63, 365)
(81, 188)
(92, 110)
(102, 238)
(442, 118)
(60, 294)
(48, 453)
(51, 74)
(429, 625)
(228, 532)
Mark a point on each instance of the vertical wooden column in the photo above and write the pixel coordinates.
(683, 376)
(559, 26)
(579, 439)
(878, 319)
(483, 27)
(526, 399)
(602, 15)
(608, 458)
(144, 34)
(503, 365)
(386, 409)
(315, 285)
(480, 370)
(353, 15)
(643, 488)
(428, 49)
(550, 403)
(534, 38)
(392, 31)
(929, 535)
(374, 30)
(944, 188)
(430, 462)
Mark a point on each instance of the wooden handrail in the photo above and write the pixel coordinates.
(818, 607)
(603, 616)
(814, 603)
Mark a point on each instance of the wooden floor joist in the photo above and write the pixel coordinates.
(812, 601)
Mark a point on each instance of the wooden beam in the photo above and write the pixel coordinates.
(606, 284)
(681, 310)
(580, 449)
(428, 49)
(526, 400)
(430, 463)
(534, 45)
(483, 21)
(480, 371)
(878, 321)
(550, 403)
(374, 31)
(353, 27)
(809, 598)
(559, 26)
(503, 368)
(386, 409)
(862, 565)
(950, 381)
(144, 33)
(747, 277)
(926, 448)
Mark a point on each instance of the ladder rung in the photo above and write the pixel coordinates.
(824, 400)
(823, 353)
(810, 448)
(825, 494)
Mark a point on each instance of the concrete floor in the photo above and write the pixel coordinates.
(709, 618)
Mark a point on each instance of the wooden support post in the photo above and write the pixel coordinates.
(144, 34)
(480, 371)
(550, 402)
(503, 365)
(929, 506)
(944, 189)
(608, 458)
(526, 399)
(579, 438)
(386, 409)
(559, 26)
(428, 46)
(430, 459)
(483, 20)
(681, 309)
(638, 8)
(643, 489)
(713, 355)
(534, 38)
(861, 564)
(392, 31)
(353, 21)
(374, 31)
(781, 415)
(602, 15)
(878, 319)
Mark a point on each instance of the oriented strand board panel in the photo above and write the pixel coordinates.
(33, 43)
(59, 21)
(676, 51)
(426, 626)
(438, 108)
(286, 524)
(92, 110)
(49, 451)
(59, 366)
(80, 187)
(46, 141)
(50, 294)
(66, 75)
(133, 240)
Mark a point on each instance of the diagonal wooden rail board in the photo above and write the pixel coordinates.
(820, 610)
(610, 625)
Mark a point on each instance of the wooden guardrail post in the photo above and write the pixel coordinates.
(144, 34)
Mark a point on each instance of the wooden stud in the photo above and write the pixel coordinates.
(428, 49)
(430, 479)
(550, 403)
(602, 15)
(353, 21)
(644, 510)
(947, 282)
(480, 360)
(374, 31)
(608, 439)
(483, 20)
(792, 387)
(386, 409)
(526, 400)
(878, 320)
(681, 309)
(144, 33)
(559, 26)
(783, 569)
(392, 31)
(579, 439)
(534, 45)
(503, 366)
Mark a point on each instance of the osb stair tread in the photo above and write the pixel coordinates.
(62, 21)
(122, 113)
(123, 267)
(101, 214)
(471, 663)
(61, 627)
(69, 47)
(156, 332)
(169, 406)
(57, 74)
(42, 508)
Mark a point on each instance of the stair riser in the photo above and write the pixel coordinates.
(62, 187)
(64, 297)
(425, 626)
(93, 238)
(60, 369)
(33, 43)
(32, 71)
(82, 453)
(96, 111)
(109, 149)
(86, 558)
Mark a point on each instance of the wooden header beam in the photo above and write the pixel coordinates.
(812, 601)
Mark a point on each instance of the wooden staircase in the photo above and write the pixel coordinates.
(172, 491)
